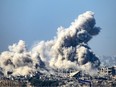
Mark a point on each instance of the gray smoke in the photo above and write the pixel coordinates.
(69, 49)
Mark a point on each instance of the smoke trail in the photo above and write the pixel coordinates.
(69, 49)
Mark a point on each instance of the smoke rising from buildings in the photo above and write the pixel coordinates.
(69, 49)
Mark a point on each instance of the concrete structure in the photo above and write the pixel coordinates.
(108, 71)
(75, 74)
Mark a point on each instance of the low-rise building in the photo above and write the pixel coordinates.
(111, 71)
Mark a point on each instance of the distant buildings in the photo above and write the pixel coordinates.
(105, 71)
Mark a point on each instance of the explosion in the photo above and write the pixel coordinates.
(69, 49)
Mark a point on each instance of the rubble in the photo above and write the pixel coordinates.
(106, 77)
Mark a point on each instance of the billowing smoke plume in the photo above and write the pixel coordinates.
(19, 61)
(69, 49)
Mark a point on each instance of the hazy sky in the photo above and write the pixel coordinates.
(36, 20)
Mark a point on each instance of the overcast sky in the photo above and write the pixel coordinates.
(36, 20)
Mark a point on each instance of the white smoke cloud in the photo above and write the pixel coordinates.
(69, 49)
(18, 60)
(71, 43)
